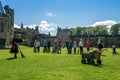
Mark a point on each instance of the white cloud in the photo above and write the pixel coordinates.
(108, 23)
(16, 26)
(44, 27)
(31, 26)
(50, 14)
(25, 26)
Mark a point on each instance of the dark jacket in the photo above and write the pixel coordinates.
(15, 42)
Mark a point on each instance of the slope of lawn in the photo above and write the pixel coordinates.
(47, 66)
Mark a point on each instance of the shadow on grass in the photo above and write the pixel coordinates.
(98, 65)
(11, 58)
(104, 55)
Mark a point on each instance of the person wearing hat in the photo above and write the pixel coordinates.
(16, 40)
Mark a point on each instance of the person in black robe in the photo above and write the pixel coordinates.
(15, 42)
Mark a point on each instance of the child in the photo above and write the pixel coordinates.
(114, 50)
(53, 49)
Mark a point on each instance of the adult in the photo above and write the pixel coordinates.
(45, 46)
(70, 45)
(48, 42)
(88, 44)
(67, 43)
(74, 46)
(35, 45)
(59, 46)
(81, 45)
(38, 45)
(56, 47)
(16, 40)
(100, 43)
(100, 46)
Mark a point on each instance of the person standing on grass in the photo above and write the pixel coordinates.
(88, 44)
(59, 46)
(114, 50)
(74, 46)
(100, 43)
(48, 42)
(45, 44)
(100, 47)
(55, 44)
(67, 42)
(81, 45)
(16, 40)
(38, 46)
(35, 46)
(70, 45)
(53, 48)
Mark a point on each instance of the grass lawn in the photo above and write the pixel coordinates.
(47, 66)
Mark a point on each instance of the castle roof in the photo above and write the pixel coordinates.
(2, 9)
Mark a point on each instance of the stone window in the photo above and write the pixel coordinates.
(1, 26)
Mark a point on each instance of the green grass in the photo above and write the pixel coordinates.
(45, 66)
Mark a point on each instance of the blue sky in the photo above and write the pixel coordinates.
(49, 14)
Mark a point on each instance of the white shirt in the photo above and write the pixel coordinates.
(81, 43)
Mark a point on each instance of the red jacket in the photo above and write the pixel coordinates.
(88, 44)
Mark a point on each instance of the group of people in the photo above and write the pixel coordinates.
(56, 46)
(81, 44)
(70, 45)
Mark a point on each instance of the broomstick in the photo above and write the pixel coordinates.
(22, 55)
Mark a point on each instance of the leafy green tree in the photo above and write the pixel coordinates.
(100, 30)
(115, 29)
(89, 31)
(73, 31)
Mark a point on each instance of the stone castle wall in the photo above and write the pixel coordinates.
(6, 26)
(107, 41)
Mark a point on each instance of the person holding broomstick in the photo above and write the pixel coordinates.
(15, 49)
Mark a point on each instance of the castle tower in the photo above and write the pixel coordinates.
(21, 25)
(37, 29)
(6, 25)
(63, 34)
(10, 13)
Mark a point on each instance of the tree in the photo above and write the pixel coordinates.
(90, 31)
(100, 30)
(73, 30)
(115, 29)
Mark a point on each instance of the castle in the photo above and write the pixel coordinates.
(7, 32)
(6, 25)
(27, 34)
(63, 34)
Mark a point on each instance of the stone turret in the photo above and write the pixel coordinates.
(37, 28)
(63, 34)
(21, 25)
